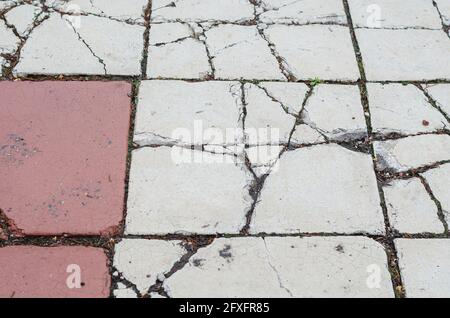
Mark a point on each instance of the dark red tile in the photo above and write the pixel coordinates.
(67, 271)
(63, 150)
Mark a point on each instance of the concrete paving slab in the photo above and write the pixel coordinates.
(441, 95)
(394, 14)
(320, 51)
(410, 208)
(284, 267)
(336, 112)
(425, 267)
(412, 152)
(338, 194)
(302, 12)
(402, 109)
(404, 55)
(201, 10)
(141, 261)
(439, 181)
(210, 189)
(115, 48)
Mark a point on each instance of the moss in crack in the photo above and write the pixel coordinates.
(315, 81)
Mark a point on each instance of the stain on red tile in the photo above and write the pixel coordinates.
(66, 271)
(63, 150)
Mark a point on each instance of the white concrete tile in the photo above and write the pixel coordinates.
(439, 181)
(404, 109)
(303, 12)
(441, 95)
(240, 52)
(318, 51)
(202, 10)
(114, 48)
(324, 188)
(394, 14)
(336, 112)
(410, 208)
(22, 17)
(284, 267)
(141, 261)
(171, 112)
(125, 10)
(425, 267)
(176, 190)
(404, 55)
(412, 152)
(444, 8)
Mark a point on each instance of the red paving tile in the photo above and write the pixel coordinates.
(63, 149)
(30, 271)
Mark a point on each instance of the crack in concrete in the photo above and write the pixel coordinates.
(256, 187)
(192, 246)
(119, 278)
(200, 36)
(12, 27)
(146, 42)
(300, 115)
(390, 248)
(54, 8)
(203, 38)
(387, 174)
(281, 61)
(265, 7)
(129, 21)
(244, 22)
(100, 60)
(105, 242)
(283, 65)
(258, 10)
(14, 58)
(390, 135)
(159, 44)
(397, 28)
(440, 211)
(171, 4)
(280, 282)
(433, 102)
(269, 95)
(42, 15)
(445, 27)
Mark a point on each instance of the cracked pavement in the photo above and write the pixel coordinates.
(225, 148)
